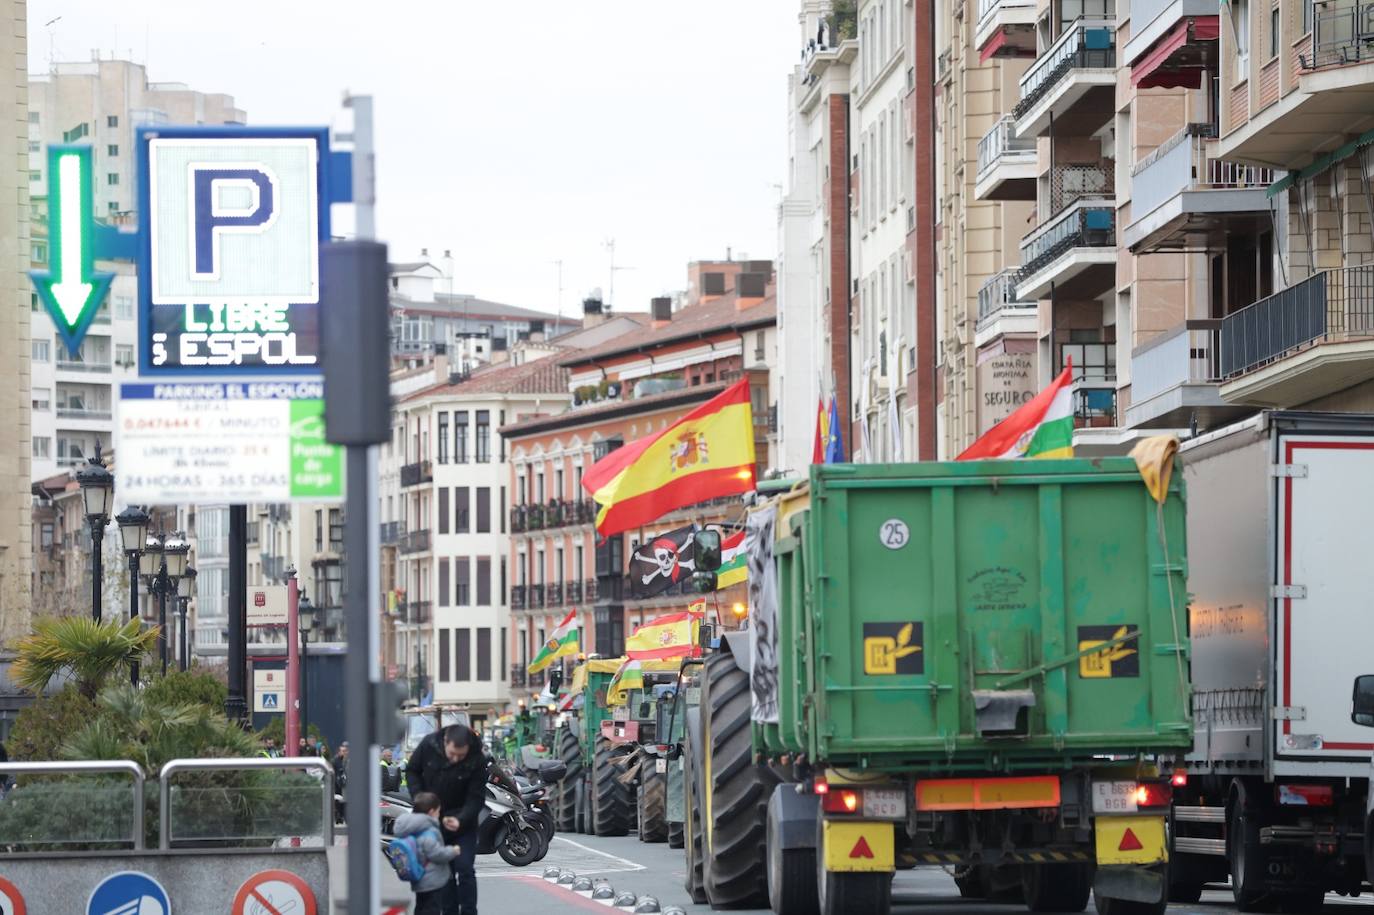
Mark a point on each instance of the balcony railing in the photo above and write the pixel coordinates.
(1086, 44)
(553, 595)
(997, 293)
(536, 596)
(1188, 354)
(534, 517)
(590, 591)
(1332, 304)
(67, 366)
(518, 677)
(1002, 141)
(392, 532)
(1181, 163)
(417, 473)
(517, 597)
(1071, 183)
(518, 521)
(81, 413)
(418, 612)
(1094, 404)
(573, 592)
(415, 542)
(1088, 223)
(1342, 34)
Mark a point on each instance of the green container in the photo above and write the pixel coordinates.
(988, 616)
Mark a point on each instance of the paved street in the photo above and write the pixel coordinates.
(658, 870)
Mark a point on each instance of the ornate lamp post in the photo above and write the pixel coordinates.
(150, 568)
(97, 490)
(186, 589)
(133, 531)
(175, 550)
(305, 610)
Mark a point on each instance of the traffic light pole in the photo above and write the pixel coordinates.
(236, 705)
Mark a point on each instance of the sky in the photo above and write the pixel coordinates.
(514, 134)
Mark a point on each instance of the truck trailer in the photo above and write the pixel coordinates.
(1281, 619)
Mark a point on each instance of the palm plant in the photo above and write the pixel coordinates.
(88, 651)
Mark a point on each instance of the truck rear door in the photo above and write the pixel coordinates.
(1324, 597)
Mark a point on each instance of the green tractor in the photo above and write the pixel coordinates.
(591, 798)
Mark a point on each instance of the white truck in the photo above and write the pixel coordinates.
(1281, 576)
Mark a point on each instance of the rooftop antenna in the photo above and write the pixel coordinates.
(610, 291)
(558, 314)
(52, 43)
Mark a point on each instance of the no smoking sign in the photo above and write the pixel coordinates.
(273, 893)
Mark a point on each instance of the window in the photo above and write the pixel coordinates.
(76, 133)
(578, 568)
(328, 585)
(45, 537)
(319, 530)
(460, 437)
(41, 398)
(522, 488)
(124, 306)
(539, 488)
(484, 509)
(461, 509)
(35, 146)
(38, 253)
(1091, 361)
(111, 150)
(501, 511)
(443, 509)
(501, 589)
(36, 175)
(114, 206)
(483, 653)
(1274, 31)
(42, 448)
(462, 654)
(124, 355)
(462, 572)
(444, 671)
(501, 671)
(759, 351)
(502, 422)
(558, 492)
(483, 455)
(336, 530)
(1240, 9)
(33, 117)
(484, 581)
(444, 589)
(524, 648)
(577, 482)
(558, 567)
(112, 120)
(112, 178)
(443, 437)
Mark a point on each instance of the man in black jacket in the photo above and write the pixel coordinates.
(450, 764)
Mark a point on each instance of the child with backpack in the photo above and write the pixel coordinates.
(418, 853)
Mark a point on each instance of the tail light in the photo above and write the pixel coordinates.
(820, 786)
(842, 800)
(1153, 794)
(1179, 779)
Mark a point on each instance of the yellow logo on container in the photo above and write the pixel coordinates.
(893, 648)
(1120, 660)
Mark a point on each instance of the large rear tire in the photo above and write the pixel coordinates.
(610, 798)
(1056, 887)
(653, 805)
(565, 804)
(846, 894)
(736, 801)
(675, 835)
(790, 875)
(1245, 854)
(695, 883)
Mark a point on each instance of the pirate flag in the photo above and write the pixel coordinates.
(663, 562)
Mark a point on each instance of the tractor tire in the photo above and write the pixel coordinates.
(1105, 905)
(790, 875)
(845, 894)
(693, 839)
(565, 804)
(653, 806)
(1056, 887)
(736, 802)
(610, 806)
(675, 835)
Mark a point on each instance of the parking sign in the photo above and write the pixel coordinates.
(229, 266)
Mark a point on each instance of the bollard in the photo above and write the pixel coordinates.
(603, 893)
(647, 905)
(583, 886)
(566, 878)
(625, 901)
(551, 874)
(674, 910)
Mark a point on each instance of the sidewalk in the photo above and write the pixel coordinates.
(395, 893)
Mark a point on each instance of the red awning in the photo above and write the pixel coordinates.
(1152, 72)
(993, 46)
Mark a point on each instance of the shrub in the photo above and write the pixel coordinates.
(43, 727)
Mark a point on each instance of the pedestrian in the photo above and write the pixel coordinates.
(341, 766)
(302, 748)
(391, 773)
(449, 763)
(423, 823)
(269, 748)
(4, 776)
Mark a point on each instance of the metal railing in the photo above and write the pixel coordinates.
(415, 542)
(1094, 404)
(284, 764)
(68, 366)
(536, 596)
(89, 767)
(81, 413)
(417, 473)
(1071, 183)
(517, 519)
(553, 595)
(988, 8)
(1341, 34)
(1187, 354)
(589, 589)
(418, 612)
(573, 592)
(1088, 223)
(1001, 141)
(1086, 43)
(1182, 163)
(392, 532)
(1333, 304)
(998, 293)
(517, 597)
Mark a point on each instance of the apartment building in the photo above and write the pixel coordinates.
(101, 102)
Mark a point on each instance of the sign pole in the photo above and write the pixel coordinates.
(236, 705)
(293, 664)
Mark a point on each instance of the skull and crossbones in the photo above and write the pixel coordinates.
(667, 560)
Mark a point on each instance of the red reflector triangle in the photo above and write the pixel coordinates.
(1129, 842)
(861, 849)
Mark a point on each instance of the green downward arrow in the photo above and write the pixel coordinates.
(72, 290)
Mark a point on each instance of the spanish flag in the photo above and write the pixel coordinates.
(671, 636)
(706, 454)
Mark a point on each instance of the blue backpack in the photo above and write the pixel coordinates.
(404, 855)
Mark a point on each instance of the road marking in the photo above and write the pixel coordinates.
(619, 865)
(630, 865)
(563, 893)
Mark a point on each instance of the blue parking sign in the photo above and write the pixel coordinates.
(128, 893)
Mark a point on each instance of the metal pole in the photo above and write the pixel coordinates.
(97, 535)
(185, 640)
(236, 705)
(162, 641)
(133, 610)
(293, 662)
(305, 679)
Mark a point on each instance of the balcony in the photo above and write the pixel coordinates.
(418, 612)
(1094, 404)
(1006, 164)
(518, 677)
(415, 542)
(392, 532)
(590, 592)
(1006, 28)
(1172, 42)
(82, 413)
(273, 567)
(1075, 252)
(517, 597)
(1073, 83)
(553, 595)
(534, 517)
(1183, 198)
(1342, 34)
(1175, 379)
(586, 511)
(573, 592)
(64, 365)
(416, 474)
(1307, 341)
(536, 597)
(518, 522)
(1000, 312)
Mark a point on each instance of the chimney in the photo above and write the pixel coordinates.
(424, 252)
(661, 310)
(593, 311)
(750, 288)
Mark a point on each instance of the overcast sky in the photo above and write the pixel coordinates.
(514, 133)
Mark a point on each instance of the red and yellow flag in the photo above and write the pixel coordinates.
(671, 636)
(706, 454)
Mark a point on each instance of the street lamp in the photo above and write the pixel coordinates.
(174, 558)
(305, 614)
(133, 531)
(186, 589)
(150, 567)
(97, 489)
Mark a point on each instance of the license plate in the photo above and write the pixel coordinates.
(660, 765)
(885, 804)
(1114, 797)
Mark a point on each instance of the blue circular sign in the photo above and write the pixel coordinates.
(128, 893)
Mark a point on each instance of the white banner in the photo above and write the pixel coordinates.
(763, 613)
